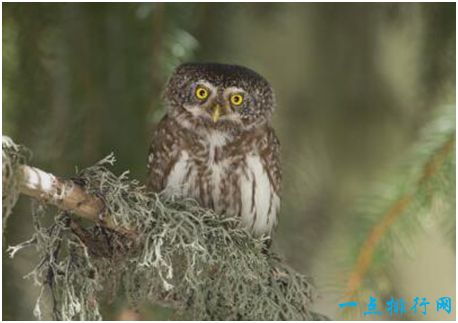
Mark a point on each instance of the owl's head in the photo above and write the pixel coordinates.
(219, 96)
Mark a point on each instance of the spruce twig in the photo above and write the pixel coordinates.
(396, 210)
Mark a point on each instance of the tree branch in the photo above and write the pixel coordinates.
(65, 194)
(187, 257)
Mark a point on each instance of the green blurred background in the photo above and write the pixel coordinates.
(355, 83)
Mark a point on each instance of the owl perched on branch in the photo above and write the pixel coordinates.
(216, 143)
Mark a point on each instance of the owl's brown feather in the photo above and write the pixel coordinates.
(165, 147)
(269, 149)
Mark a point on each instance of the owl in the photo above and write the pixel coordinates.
(216, 144)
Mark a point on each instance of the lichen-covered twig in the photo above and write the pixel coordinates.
(188, 258)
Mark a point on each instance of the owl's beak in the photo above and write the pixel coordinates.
(216, 112)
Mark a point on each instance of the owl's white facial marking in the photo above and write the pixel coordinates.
(232, 89)
(208, 85)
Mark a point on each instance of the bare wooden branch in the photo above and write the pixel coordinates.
(64, 194)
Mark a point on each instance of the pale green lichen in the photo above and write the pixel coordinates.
(184, 256)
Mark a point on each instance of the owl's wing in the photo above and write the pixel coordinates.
(163, 153)
(269, 150)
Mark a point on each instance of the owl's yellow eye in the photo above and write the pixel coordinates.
(236, 99)
(201, 93)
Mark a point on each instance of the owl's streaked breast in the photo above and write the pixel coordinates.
(235, 185)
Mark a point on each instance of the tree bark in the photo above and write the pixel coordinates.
(64, 194)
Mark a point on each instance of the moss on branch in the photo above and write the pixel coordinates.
(181, 255)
